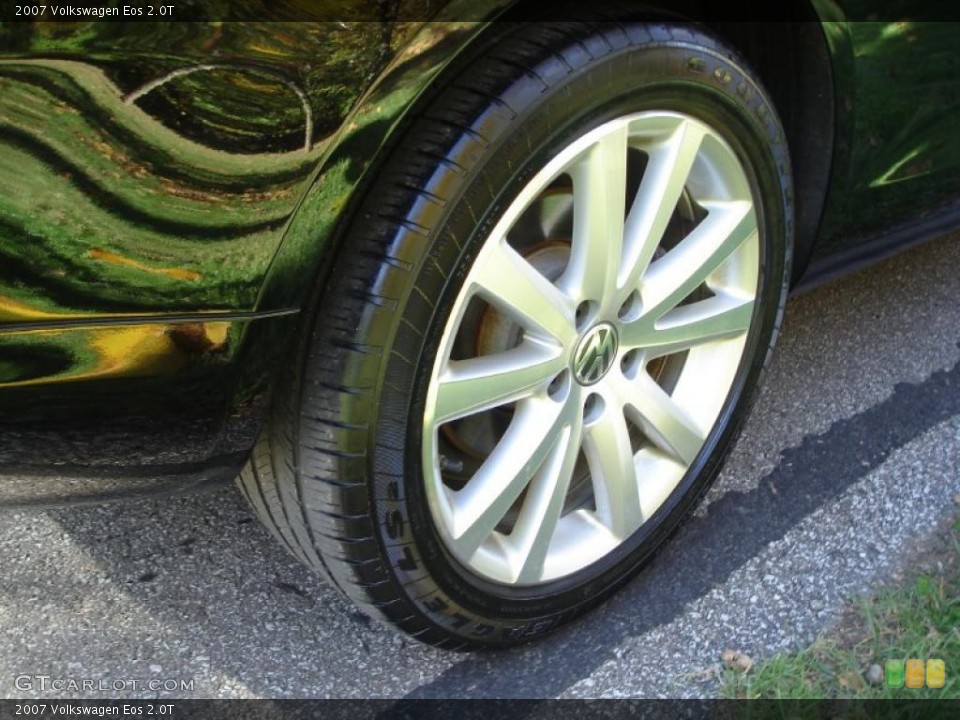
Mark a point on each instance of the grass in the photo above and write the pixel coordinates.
(921, 621)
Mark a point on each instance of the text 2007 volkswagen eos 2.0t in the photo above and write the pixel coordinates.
(475, 308)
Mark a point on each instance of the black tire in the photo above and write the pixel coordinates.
(337, 473)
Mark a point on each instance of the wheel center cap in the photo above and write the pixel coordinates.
(595, 353)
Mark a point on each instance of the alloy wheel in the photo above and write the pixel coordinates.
(591, 348)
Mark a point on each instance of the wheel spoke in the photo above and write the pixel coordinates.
(530, 539)
(555, 211)
(673, 277)
(512, 284)
(610, 456)
(471, 386)
(687, 326)
(480, 506)
(663, 421)
(668, 168)
(599, 199)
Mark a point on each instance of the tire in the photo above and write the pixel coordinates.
(491, 245)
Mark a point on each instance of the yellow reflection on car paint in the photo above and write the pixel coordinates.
(13, 311)
(115, 259)
(136, 351)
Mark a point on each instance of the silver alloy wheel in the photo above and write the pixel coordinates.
(611, 369)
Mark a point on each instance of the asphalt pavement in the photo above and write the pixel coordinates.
(847, 467)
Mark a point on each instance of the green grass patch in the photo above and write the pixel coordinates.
(921, 620)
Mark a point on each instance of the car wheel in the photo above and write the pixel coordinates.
(541, 334)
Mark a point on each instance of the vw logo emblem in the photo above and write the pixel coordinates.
(595, 354)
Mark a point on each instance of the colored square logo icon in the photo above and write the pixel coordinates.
(894, 673)
(936, 673)
(914, 675)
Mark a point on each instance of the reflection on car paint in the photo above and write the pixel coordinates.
(130, 194)
(109, 351)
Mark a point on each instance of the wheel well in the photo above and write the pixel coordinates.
(793, 62)
(791, 58)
